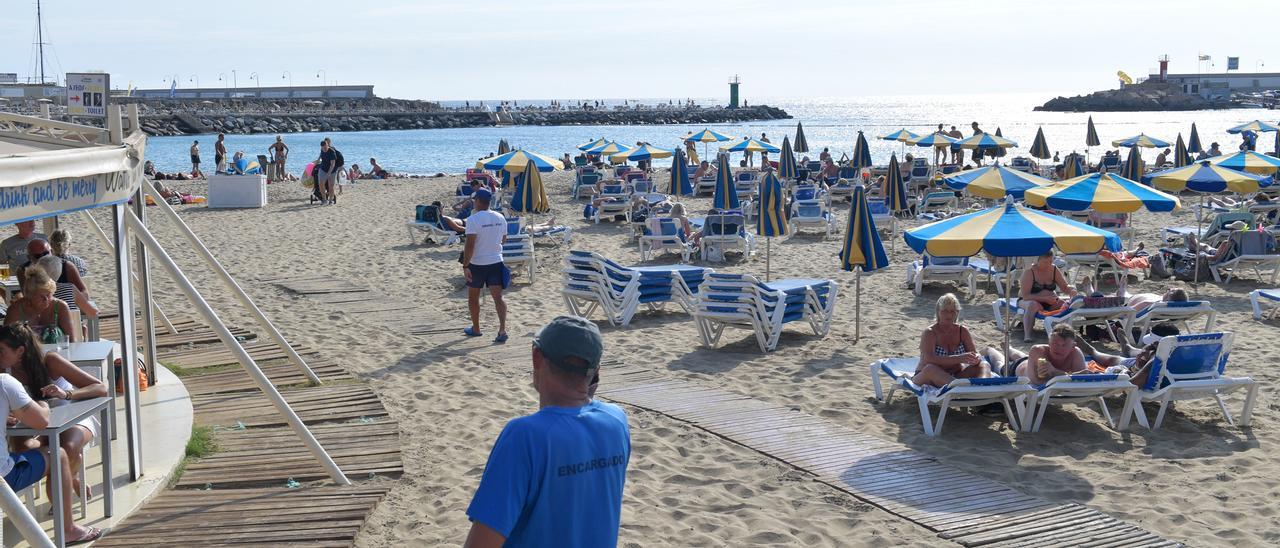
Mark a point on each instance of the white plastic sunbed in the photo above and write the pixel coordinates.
(592, 282)
(1265, 298)
(1076, 315)
(959, 393)
(663, 234)
(1082, 390)
(743, 301)
(1189, 367)
(940, 268)
(1183, 312)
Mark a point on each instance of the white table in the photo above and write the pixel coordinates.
(11, 286)
(237, 191)
(98, 355)
(62, 417)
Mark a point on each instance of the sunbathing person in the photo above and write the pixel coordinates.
(1135, 361)
(947, 351)
(1038, 292)
(705, 169)
(1138, 258)
(1044, 361)
(376, 170)
(1143, 301)
(450, 223)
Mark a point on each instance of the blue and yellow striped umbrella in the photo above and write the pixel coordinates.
(516, 161)
(897, 199)
(707, 136)
(995, 182)
(862, 246)
(772, 219)
(1091, 135)
(1180, 155)
(726, 194)
(801, 144)
(1073, 166)
(642, 152)
(751, 145)
(1193, 141)
(1140, 140)
(1257, 126)
(1101, 192)
(934, 139)
(503, 146)
(1275, 150)
(530, 195)
(592, 144)
(1249, 161)
(861, 153)
(506, 179)
(680, 183)
(786, 160)
(1009, 230)
(1205, 177)
(1133, 167)
(608, 148)
(901, 135)
(986, 141)
(1039, 147)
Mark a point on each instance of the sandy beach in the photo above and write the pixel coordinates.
(1196, 480)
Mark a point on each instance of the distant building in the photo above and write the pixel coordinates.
(282, 92)
(1220, 86)
(19, 92)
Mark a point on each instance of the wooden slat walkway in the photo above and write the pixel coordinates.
(219, 354)
(190, 332)
(313, 405)
(282, 373)
(308, 516)
(960, 507)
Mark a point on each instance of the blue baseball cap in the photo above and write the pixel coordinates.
(571, 337)
(482, 194)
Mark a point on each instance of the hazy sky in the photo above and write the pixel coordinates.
(549, 49)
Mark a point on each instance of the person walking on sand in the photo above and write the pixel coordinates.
(195, 160)
(220, 154)
(939, 151)
(556, 477)
(325, 171)
(482, 262)
(279, 153)
(977, 151)
(957, 153)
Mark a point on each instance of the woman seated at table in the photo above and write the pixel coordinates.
(48, 317)
(52, 377)
(947, 351)
(1038, 292)
(65, 291)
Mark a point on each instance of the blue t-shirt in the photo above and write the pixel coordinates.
(555, 478)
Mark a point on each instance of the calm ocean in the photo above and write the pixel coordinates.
(828, 122)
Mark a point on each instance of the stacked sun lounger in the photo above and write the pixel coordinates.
(592, 281)
(744, 302)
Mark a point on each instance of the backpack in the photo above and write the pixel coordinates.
(338, 161)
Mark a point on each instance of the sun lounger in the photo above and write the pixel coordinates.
(1215, 231)
(940, 268)
(884, 220)
(1097, 266)
(744, 302)
(1252, 249)
(726, 232)
(747, 183)
(705, 185)
(1265, 298)
(996, 275)
(1190, 367)
(939, 202)
(619, 203)
(591, 282)
(1076, 314)
(812, 214)
(959, 393)
(1175, 311)
(1080, 389)
(842, 189)
(663, 234)
(427, 219)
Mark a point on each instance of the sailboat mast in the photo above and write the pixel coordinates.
(40, 39)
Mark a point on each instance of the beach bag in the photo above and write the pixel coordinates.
(142, 377)
(1186, 271)
(339, 160)
(588, 212)
(51, 334)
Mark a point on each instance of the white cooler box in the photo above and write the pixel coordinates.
(237, 191)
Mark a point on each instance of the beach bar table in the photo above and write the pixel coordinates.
(99, 356)
(61, 418)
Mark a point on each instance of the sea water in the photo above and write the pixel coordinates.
(828, 122)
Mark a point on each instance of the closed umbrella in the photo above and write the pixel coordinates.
(503, 147)
(896, 197)
(862, 249)
(517, 160)
(995, 182)
(530, 195)
(726, 194)
(1133, 168)
(801, 144)
(506, 179)
(996, 151)
(1193, 141)
(861, 153)
(1249, 161)
(786, 160)
(1073, 166)
(1140, 140)
(680, 184)
(772, 219)
(1091, 135)
(1039, 147)
(1180, 155)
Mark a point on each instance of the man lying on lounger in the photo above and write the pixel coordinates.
(1135, 361)
(1044, 361)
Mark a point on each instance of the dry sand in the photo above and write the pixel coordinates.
(1196, 480)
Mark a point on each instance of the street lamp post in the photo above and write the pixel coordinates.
(1258, 64)
(195, 78)
(254, 77)
(288, 75)
(325, 80)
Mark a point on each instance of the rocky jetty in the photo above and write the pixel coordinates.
(1147, 96)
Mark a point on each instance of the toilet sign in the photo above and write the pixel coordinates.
(87, 94)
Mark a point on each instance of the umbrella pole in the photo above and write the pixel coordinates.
(1195, 256)
(857, 304)
(767, 254)
(1008, 296)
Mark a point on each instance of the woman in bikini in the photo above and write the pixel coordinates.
(1038, 291)
(947, 351)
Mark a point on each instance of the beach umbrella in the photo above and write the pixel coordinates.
(530, 195)
(642, 152)
(861, 153)
(1207, 178)
(592, 144)
(995, 182)
(1133, 168)
(1101, 192)
(862, 249)
(1256, 126)
(1073, 166)
(503, 146)
(1193, 141)
(750, 145)
(506, 179)
(1091, 135)
(934, 139)
(608, 148)
(680, 184)
(786, 160)
(801, 144)
(726, 194)
(996, 152)
(771, 219)
(1140, 140)
(1275, 150)
(896, 198)
(1010, 231)
(1249, 161)
(707, 136)
(517, 160)
(902, 136)
(1040, 148)
(986, 141)
(1180, 155)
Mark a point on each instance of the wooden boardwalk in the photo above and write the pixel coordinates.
(959, 507)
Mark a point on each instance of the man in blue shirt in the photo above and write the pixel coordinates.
(555, 478)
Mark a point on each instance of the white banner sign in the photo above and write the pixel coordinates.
(57, 196)
(87, 94)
